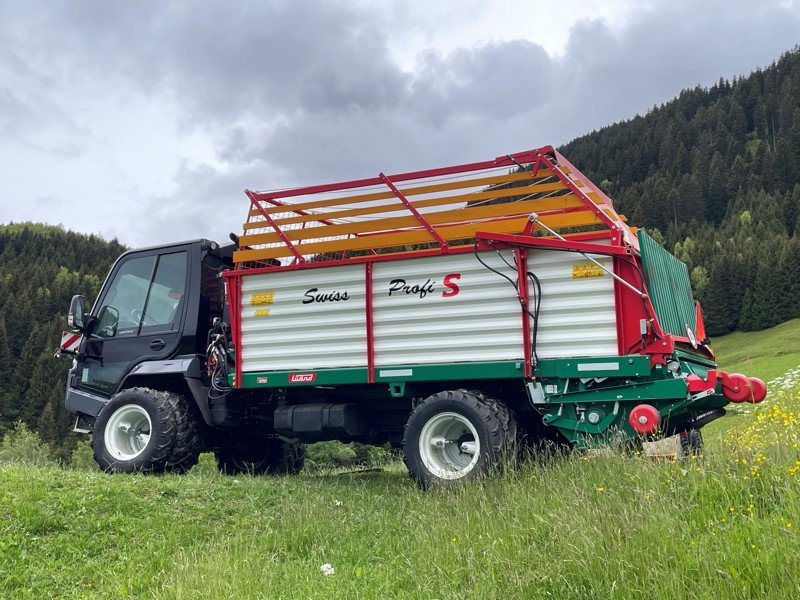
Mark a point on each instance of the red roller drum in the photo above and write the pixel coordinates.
(644, 418)
(759, 389)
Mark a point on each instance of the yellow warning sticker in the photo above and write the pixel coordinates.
(262, 298)
(262, 312)
(587, 269)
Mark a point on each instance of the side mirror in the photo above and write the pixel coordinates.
(107, 322)
(77, 311)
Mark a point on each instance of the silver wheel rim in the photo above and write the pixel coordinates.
(449, 445)
(128, 432)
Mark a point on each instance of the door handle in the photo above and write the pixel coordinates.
(158, 344)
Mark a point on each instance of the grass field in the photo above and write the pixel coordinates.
(766, 354)
(724, 526)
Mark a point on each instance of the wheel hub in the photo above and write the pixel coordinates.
(449, 445)
(127, 433)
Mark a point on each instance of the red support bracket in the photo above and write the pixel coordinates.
(439, 239)
(510, 239)
(257, 205)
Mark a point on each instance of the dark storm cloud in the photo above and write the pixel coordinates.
(292, 93)
(224, 59)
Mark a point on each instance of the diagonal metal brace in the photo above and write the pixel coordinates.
(257, 205)
(534, 218)
(439, 239)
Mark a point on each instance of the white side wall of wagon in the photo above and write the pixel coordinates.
(577, 316)
(292, 320)
(419, 319)
(442, 309)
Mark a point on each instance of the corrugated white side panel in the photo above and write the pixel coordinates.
(577, 316)
(441, 309)
(481, 322)
(299, 333)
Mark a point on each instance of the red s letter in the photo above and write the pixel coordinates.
(450, 282)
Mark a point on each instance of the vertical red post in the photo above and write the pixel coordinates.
(370, 328)
(521, 254)
(235, 300)
(618, 299)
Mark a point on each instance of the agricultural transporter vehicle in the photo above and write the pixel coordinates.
(458, 313)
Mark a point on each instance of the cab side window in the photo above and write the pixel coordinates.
(147, 293)
(165, 297)
(128, 293)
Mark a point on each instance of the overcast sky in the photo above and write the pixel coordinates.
(146, 120)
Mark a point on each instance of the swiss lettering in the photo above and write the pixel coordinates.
(312, 295)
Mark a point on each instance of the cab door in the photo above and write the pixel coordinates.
(140, 315)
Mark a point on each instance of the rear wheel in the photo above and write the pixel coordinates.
(456, 436)
(260, 456)
(135, 431)
(189, 435)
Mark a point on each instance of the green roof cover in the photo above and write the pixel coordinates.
(669, 287)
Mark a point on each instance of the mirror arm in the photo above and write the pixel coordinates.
(88, 324)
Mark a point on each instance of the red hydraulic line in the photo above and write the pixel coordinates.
(442, 243)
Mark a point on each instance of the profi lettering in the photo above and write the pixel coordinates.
(424, 289)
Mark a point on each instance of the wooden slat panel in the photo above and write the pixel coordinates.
(443, 201)
(425, 189)
(403, 238)
(458, 215)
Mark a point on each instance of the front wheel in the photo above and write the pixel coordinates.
(456, 436)
(135, 431)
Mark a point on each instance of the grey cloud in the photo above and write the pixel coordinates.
(293, 93)
(500, 79)
(224, 59)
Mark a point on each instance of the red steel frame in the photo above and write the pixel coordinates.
(501, 161)
(623, 247)
(521, 256)
(370, 325)
(257, 205)
(442, 244)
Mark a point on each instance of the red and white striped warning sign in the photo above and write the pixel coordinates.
(70, 341)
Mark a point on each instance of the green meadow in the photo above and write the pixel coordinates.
(724, 525)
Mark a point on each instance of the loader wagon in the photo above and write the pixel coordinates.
(462, 314)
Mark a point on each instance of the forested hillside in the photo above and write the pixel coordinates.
(41, 268)
(717, 172)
